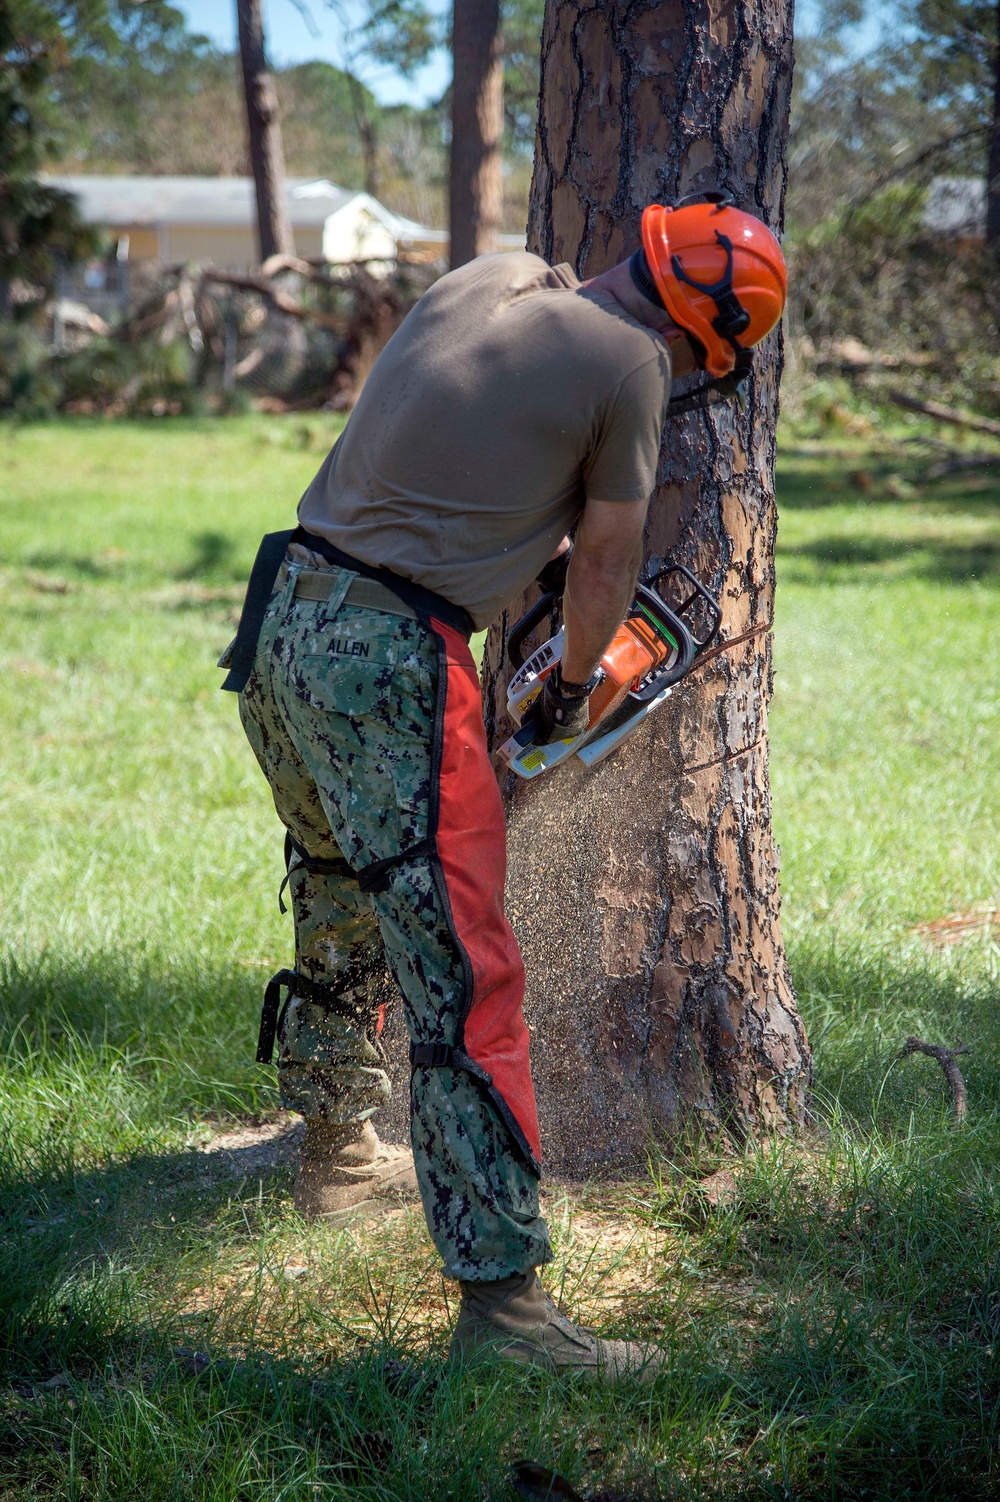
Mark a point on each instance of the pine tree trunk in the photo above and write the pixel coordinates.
(267, 157)
(476, 184)
(993, 165)
(645, 892)
(367, 134)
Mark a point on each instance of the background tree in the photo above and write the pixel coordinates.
(267, 159)
(39, 226)
(921, 101)
(645, 894)
(157, 99)
(398, 33)
(993, 159)
(476, 184)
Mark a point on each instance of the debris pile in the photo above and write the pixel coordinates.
(294, 335)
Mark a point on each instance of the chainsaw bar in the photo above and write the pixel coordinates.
(601, 746)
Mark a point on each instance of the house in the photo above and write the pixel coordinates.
(955, 209)
(213, 220)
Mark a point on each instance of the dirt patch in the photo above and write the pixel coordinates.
(256, 1147)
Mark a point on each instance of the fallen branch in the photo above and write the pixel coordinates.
(946, 1058)
(851, 357)
(276, 297)
(140, 326)
(946, 414)
(276, 264)
(964, 461)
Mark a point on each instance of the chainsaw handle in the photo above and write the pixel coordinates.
(715, 610)
(524, 627)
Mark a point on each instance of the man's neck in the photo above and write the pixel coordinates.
(617, 283)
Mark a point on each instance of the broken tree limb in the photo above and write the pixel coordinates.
(946, 1058)
(851, 357)
(961, 462)
(946, 414)
(276, 297)
(189, 313)
(274, 265)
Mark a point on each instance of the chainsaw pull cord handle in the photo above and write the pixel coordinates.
(698, 590)
(524, 627)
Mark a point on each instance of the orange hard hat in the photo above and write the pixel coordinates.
(718, 272)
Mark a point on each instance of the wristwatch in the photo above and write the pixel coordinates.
(576, 690)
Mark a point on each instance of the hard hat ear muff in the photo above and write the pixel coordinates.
(642, 279)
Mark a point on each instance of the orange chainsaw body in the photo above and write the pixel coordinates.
(635, 650)
(652, 649)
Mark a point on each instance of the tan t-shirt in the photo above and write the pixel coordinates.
(505, 399)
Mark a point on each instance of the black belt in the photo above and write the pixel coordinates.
(424, 601)
(260, 586)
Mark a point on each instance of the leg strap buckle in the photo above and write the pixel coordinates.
(315, 865)
(272, 1020)
(377, 876)
(444, 1056)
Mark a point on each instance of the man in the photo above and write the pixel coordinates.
(514, 404)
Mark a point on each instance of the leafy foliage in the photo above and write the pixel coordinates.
(38, 224)
(870, 130)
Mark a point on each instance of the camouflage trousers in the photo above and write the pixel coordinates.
(340, 711)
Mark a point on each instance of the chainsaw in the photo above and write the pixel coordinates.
(652, 650)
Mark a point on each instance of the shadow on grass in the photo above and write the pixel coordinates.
(931, 558)
(76, 565)
(213, 554)
(860, 1005)
(829, 1332)
(214, 558)
(125, 999)
(861, 1365)
(817, 482)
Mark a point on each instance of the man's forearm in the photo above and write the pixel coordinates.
(594, 606)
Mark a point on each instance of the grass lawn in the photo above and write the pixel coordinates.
(169, 1330)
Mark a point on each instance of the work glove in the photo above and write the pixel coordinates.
(552, 577)
(563, 708)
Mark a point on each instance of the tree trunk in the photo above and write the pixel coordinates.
(267, 158)
(645, 893)
(993, 165)
(367, 134)
(476, 184)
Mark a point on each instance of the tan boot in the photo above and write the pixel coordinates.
(514, 1317)
(344, 1169)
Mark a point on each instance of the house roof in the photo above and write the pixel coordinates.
(226, 201)
(122, 201)
(956, 206)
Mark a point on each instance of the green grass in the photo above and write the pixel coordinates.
(170, 1330)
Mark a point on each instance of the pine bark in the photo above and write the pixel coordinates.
(476, 183)
(645, 893)
(267, 157)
